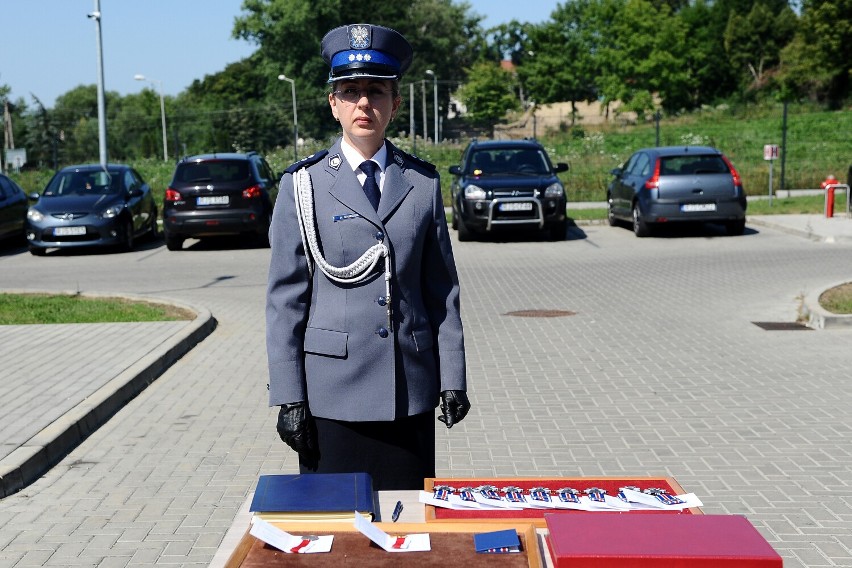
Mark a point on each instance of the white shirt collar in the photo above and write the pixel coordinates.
(354, 158)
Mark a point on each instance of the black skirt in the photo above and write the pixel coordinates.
(397, 455)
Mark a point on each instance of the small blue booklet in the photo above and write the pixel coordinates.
(497, 542)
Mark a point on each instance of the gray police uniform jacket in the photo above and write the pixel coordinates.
(329, 343)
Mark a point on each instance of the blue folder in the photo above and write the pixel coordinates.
(314, 492)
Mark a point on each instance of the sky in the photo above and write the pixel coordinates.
(48, 47)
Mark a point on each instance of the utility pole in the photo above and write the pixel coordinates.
(8, 135)
(102, 136)
(411, 127)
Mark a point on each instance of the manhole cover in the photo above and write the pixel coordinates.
(541, 313)
(782, 326)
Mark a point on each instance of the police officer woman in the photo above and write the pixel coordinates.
(364, 335)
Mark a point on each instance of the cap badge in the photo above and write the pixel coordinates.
(334, 161)
(359, 37)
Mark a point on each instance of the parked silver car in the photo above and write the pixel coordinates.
(677, 184)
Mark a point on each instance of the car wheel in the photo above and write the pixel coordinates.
(455, 221)
(640, 227)
(610, 214)
(735, 228)
(174, 242)
(464, 233)
(128, 241)
(37, 251)
(154, 231)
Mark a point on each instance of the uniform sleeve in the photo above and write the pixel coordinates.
(287, 301)
(441, 294)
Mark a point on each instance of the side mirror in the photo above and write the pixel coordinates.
(561, 167)
(615, 171)
(455, 170)
(33, 196)
(136, 192)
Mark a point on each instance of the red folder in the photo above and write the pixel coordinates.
(637, 540)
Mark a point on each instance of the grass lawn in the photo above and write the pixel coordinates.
(837, 300)
(18, 309)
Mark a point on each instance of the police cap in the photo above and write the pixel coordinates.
(365, 51)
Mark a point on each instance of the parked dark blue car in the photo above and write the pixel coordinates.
(13, 209)
(88, 205)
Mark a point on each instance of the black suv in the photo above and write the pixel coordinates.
(219, 194)
(507, 183)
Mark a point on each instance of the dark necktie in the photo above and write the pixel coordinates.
(371, 187)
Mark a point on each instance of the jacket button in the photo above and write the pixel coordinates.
(381, 300)
(379, 235)
(382, 332)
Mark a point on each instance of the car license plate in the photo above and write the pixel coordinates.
(213, 200)
(69, 231)
(515, 206)
(697, 207)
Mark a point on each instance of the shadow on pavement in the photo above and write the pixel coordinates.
(223, 243)
(690, 230)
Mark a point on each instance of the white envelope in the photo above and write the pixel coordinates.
(407, 543)
(286, 542)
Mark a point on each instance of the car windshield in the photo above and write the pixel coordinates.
(213, 170)
(692, 165)
(84, 182)
(521, 161)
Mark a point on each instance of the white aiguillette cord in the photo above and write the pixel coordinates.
(358, 271)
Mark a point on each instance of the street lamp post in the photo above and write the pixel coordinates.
(411, 127)
(425, 125)
(162, 111)
(102, 134)
(283, 77)
(431, 73)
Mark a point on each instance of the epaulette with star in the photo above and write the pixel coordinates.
(305, 162)
(418, 161)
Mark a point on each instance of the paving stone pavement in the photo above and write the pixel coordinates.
(659, 372)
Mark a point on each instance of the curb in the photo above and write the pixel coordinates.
(819, 317)
(44, 450)
(762, 222)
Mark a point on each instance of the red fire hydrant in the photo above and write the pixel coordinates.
(828, 186)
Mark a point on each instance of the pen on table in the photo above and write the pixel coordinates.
(396, 511)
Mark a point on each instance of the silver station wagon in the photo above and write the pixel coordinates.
(676, 184)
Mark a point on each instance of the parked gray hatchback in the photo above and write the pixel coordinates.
(677, 184)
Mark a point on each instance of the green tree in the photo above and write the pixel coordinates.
(640, 57)
(135, 131)
(818, 62)
(561, 62)
(509, 41)
(42, 136)
(705, 58)
(754, 41)
(234, 110)
(75, 119)
(488, 93)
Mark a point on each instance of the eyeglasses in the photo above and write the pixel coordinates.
(353, 94)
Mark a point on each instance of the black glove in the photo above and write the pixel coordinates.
(296, 427)
(454, 406)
